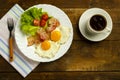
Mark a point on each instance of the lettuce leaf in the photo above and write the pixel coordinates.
(29, 29)
(27, 20)
(36, 13)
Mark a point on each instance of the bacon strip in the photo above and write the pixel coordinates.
(42, 34)
(52, 24)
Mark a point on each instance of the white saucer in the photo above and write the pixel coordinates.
(83, 24)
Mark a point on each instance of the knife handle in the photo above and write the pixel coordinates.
(10, 49)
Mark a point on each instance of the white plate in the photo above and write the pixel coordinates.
(21, 40)
(83, 22)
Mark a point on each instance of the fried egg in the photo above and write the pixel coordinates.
(55, 35)
(61, 34)
(47, 49)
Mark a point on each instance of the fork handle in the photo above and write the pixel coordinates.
(10, 49)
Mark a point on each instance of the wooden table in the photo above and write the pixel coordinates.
(84, 60)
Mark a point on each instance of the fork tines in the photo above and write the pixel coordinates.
(10, 22)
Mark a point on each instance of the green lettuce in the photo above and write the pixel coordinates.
(36, 13)
(27, 20)
(29, 29)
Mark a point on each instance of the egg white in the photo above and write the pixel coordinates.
(65, 34)
(50, 53)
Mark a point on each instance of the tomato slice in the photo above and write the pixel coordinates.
(45, 17)
(42, 23)
(36, 22)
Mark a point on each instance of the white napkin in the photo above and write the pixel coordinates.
(21, 63)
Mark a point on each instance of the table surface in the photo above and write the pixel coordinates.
(84, 60)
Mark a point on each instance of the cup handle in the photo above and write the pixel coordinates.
(107, 29)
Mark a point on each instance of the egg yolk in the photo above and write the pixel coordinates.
(45, 45)
(55, 35)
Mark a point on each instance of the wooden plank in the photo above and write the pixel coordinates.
(58, 3)
(63, 76)
(109, 4)
(72, 3)
(25, 4)
(76, 76)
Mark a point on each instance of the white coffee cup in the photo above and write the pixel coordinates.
(97, 24)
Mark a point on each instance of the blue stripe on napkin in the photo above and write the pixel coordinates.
(19, 8)
(15, 13)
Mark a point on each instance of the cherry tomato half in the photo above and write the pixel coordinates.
(42, 23)
(36, 22)
(45, 17)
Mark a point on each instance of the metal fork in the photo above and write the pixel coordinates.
(10, 23)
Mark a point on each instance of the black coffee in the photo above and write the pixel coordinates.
(98, 22)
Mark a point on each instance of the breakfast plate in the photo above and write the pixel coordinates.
(29, 52)
(83, 24)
